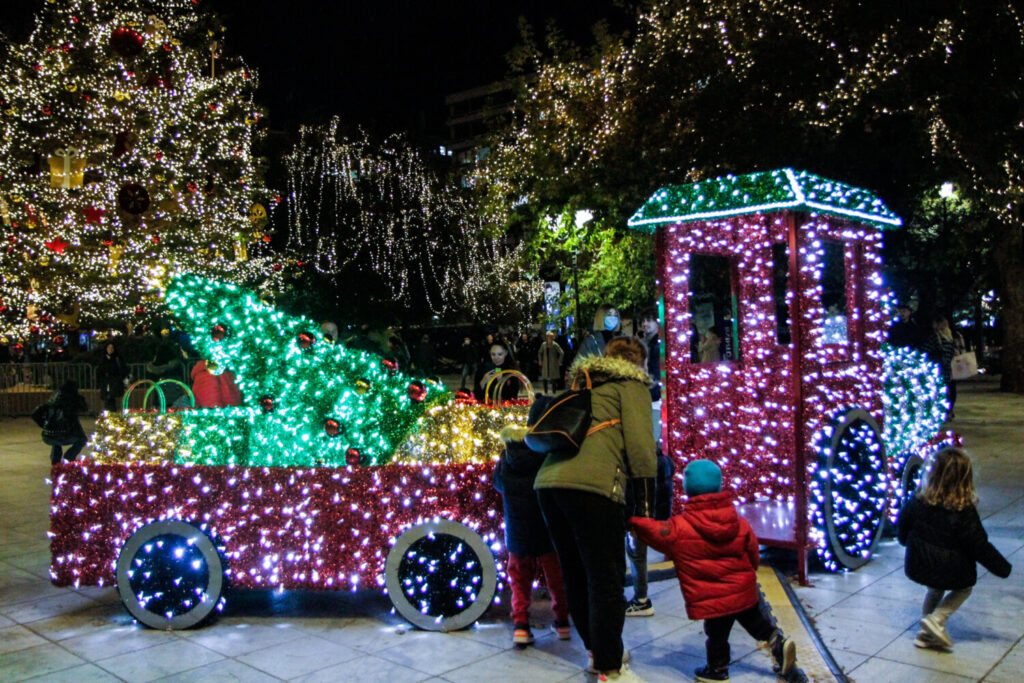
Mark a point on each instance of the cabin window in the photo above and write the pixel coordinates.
(713, 310)
(833, 294)
(780, 287)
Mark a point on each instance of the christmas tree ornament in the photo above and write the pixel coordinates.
(126, 42)
(267, 404)
(258, 214)
(362, 386)
(306, 340)
(220, 332)
(417, 392)
(353, 457)
(332, 427)
(390, 364)
(66, 168)
(133, 198)
(93, 215)
(57, 245)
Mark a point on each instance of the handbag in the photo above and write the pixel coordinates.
(566, 423)
(964, 366)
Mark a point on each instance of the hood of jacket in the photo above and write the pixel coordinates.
(714, 516)
(605, 369)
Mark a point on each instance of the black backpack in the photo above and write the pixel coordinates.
(566, 423)
(50, 416)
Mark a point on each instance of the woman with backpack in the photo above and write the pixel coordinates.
(583, 498)
(58, 418)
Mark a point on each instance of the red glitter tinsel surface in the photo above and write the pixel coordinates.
(326, 528)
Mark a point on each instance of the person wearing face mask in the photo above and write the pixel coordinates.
(501, 358)
(607, 326)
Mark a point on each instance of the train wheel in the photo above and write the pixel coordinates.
(913, 472)
(170, 575)
(441, 575)
(852, 490)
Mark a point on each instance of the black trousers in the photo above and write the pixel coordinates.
(754, 619)
(76, 441)
(588, 531)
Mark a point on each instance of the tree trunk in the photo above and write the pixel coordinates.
(1010, 266)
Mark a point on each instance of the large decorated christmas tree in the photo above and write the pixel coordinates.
(125, 155)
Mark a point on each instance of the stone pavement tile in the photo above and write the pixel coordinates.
(222, 671)
(511, 665)
(86, 673)
(232, 639)
(877, 670)
(156, 662)
(885, 611)
(99, 617)
(817, 600)
(364, 669)
(660, 661)
(1010, 668)
(64, 602)
(432, 654)
(639, 631)
(562, 653)
(856, 636)
(895, 587)
(970, 658)
(366, 635)
(298, 657)
(112, 641)
(847, 661)
(18, 585)
(36, 562)
(41, 660)
(18, 637)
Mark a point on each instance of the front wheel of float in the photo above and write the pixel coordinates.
(441, 575)
(170, 575)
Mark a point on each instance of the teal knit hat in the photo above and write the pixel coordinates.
(700, 477)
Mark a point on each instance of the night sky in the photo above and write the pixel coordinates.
(385, 65)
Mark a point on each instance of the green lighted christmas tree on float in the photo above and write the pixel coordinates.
(309, 401)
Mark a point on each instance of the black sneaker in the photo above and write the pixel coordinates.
(783, 654)
(640, 608)
(706, 674)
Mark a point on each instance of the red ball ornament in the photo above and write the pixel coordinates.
(332, 427)
(220, 332)
(306, 340)
(276, 267)
(463, 395)
(139, 310)
(391, 365)
(353, 457)
(267, 404)
(58, 340)
(126, 42)
(417, 392)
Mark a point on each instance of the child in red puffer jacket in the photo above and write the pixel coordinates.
(716, 556)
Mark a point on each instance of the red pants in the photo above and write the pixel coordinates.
(521, 572)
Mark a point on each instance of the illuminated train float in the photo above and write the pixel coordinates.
(343, 473)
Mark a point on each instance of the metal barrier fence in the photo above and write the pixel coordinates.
(23, 386)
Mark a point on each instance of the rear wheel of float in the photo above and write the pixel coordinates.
(170, 575)
(441, 575)
(854, 488)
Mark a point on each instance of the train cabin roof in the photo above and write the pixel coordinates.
(777, 190)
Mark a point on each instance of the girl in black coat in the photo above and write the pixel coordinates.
(526, 535)
(945, 540)
(484, 390)
(59, 419)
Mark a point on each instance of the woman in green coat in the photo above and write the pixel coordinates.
(583, 498)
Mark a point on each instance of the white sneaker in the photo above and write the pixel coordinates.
(936, 630)
(625, 675)
(626, 658)
(640, 608)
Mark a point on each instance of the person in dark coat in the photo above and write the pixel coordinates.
(903, 331)
(112, 374)
(942, 347)
(425, 357)
(716, 554)
(526, 535)
(58, 418)
(945, 541)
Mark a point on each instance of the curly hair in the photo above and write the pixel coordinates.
(950, 482)
(626, 348)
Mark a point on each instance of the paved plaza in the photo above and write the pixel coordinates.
(867, 619)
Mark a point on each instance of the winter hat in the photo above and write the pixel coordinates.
(700, 477)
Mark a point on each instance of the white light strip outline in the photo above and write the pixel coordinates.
(801, 199)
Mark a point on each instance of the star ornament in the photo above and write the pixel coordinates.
(57, 245)
(94, 215)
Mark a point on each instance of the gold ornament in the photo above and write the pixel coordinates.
(241, 252)
(362, 386)
(5, 212)
(67, 168)
(71, 87)
(121, 96)
(114, 252)
(257, 214)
